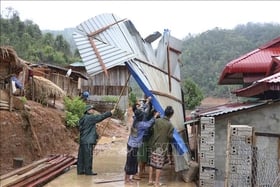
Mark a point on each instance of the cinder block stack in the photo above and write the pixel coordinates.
(240, 156)
(207, 152)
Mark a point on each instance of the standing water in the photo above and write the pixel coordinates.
(109, 164)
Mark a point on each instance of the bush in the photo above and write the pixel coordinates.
(71, 119)
(132, 99)
(74, 110)
(23, 100)
(112, 99)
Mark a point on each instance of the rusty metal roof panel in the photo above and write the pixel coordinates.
(229, 108)
(116, 40)
(104, 36)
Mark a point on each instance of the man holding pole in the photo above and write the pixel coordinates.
(88, 138)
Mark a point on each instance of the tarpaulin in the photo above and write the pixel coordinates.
(145, 89)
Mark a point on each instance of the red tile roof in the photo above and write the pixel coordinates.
(269, 83)
(251, 66)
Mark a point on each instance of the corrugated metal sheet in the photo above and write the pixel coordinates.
(161, 81)
(228, 108)
(120, 42)
(269, 83)
(255, 62)
(77, 64)
(271, 79)
(157, 83)
(116, 41)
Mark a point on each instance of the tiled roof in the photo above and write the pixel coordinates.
(254, 65)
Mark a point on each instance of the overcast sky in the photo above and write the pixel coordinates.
(180, 17)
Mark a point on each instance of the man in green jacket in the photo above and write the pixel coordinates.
(88, 138)
(159, 143)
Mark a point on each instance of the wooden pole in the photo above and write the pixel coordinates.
(116, 103)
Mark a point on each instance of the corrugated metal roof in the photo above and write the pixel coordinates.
(108, 40)
(164, 82)
(271, 83)
(117, 42)
(271, 79)
(229, 108)
(77, 64)
(256, 62)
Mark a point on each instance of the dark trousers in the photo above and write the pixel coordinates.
(131, 165)
(85, 156)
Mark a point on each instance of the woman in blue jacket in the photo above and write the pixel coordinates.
(135, 139)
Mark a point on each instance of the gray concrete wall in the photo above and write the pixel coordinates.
(265, 119)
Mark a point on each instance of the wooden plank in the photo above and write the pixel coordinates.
(13, 180)
(23, 169)
(39, 168)
(107, 181)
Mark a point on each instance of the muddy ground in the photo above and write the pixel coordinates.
(40, 131)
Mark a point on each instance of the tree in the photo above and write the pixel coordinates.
(192, 94)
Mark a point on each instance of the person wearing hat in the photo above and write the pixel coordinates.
(135, 139)
(88, 138)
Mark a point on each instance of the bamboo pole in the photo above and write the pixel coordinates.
(117, 103)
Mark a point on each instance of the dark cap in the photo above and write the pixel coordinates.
(139, 114)
(88, 107)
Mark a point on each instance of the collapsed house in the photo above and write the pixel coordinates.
(237, 144)
(107, 41)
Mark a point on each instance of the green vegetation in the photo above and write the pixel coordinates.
(74, 108)
(132, 98)
(30, 44)
(204, 55)
(23, 100)
(112, 99)
(192, 94)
